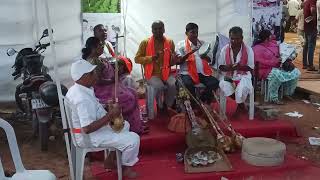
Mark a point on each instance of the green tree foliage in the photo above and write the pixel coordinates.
(100, 6)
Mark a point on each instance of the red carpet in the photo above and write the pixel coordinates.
(158, 149)
(162, 166)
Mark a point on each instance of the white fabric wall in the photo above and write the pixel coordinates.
(22, 22)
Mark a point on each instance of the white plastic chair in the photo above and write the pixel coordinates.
(265, 91)
(21, 172)
(81, 151)
(151, 96)
(223, 104)
(150, 100)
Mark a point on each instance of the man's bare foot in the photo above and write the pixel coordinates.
(240, 109)
(129, 173)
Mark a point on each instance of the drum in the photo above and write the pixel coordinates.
(205, 49)
(261, 151)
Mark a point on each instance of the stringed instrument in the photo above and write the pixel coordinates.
(199, 136)
(222, 140)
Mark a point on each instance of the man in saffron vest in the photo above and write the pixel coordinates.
(155, 54)
(194, 67)
(100, 32)
(236, 62)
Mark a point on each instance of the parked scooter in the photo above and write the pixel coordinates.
(37, 95)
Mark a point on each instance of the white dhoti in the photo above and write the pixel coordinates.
(242, 90)
(127, 142)
(169, 86)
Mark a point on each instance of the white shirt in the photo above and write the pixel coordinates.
(222, 58)
(181, 51)
(293, 7)
(106, 53)
(86, 109)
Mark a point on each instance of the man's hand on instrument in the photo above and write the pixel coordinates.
(235, 66)
(175, 58)
(114, 110)
(185, 57)
(205, 57)
(156, 56)
(227, 67)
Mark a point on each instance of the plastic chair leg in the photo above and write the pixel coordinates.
(119, 164)
(2, 176)
(251, 106)
(150, 102)
(80, 155)
(266, 92)
(223, 104)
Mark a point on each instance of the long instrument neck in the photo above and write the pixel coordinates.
(191, 114)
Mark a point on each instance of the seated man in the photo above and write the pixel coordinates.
(194, 67)
(89, 116)
(236, 62)
(155, 53)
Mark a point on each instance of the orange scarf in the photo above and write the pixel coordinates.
(150, 51)
(110, 50)
(192, 67)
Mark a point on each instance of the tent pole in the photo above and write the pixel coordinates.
(217, 14)
(57, 78)
(36, 20)
(251, 24)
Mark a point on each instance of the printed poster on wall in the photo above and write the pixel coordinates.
(106, 12)
(266, 14)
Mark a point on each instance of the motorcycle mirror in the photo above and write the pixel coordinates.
(46, 33)
(11, 52)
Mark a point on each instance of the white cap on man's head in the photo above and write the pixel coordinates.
(79, 68)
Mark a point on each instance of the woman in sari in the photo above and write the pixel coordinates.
(104, 89)
(270, 66)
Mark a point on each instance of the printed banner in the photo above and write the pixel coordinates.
(106, 12)
(266, 14)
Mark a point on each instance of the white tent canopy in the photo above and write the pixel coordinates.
(22, 22)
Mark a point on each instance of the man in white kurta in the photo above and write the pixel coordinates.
(236, 70)
(89, 116)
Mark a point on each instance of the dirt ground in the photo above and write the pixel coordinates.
(56, 159)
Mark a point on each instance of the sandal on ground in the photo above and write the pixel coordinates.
(277, 102)
(311, 68)
(289, 98)
(130, 174)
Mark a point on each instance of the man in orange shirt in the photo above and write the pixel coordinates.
(156, 55)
